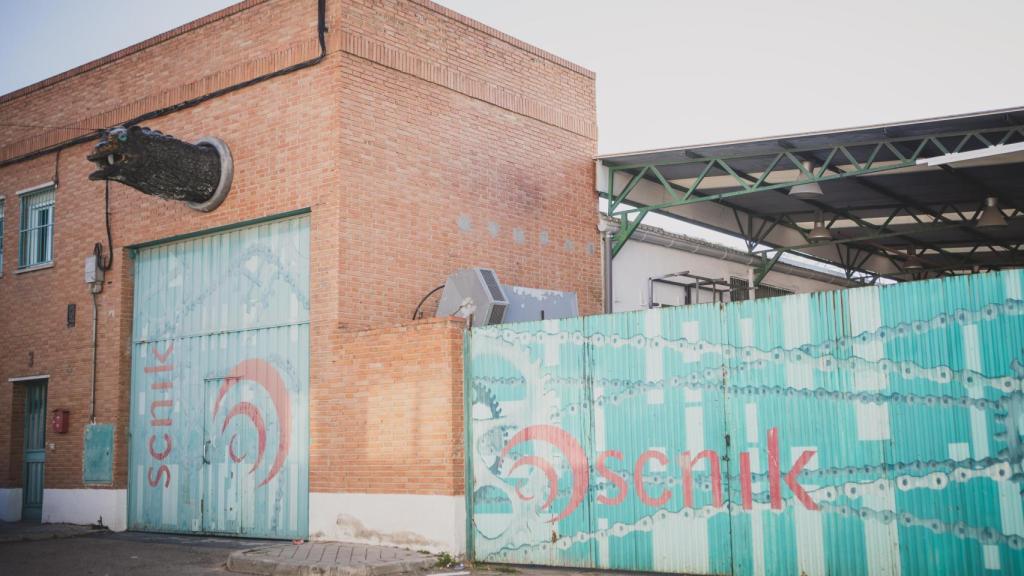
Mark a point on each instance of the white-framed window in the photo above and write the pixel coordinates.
(35, 246)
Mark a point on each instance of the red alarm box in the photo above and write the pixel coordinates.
(59, 422)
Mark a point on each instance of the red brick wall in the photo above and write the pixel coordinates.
(265, 128)
(512, 180)
(16, 428)
(392, 423)
(416, 122)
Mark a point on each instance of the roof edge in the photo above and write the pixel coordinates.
(628, 153)
(246, 5)
(507, 38)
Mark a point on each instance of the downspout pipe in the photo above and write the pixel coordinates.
(95, 322)
(321, 31)
(608, 256)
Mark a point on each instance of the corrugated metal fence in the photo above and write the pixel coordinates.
(867, 431)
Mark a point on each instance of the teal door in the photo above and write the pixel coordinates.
(224, 491)
(220, 379)
(35, 452)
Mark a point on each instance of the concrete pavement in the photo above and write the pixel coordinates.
(121, 553)
(67, 549)
(24, 531)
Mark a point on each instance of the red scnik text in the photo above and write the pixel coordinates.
(160, 411)
(687, 461)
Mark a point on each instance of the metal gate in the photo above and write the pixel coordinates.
(867, 431)
(34, 451)
(220, 379)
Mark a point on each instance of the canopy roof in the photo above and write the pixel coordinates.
(899, 200)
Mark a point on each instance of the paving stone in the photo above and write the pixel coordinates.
(328, 559)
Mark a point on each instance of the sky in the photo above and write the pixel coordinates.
(41, 38)
(669, 72)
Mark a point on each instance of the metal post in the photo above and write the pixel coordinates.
(608, 272)
(752, 294)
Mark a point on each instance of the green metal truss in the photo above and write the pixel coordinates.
(898, 153)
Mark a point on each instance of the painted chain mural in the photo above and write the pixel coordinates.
(867, 431)
(220, 372)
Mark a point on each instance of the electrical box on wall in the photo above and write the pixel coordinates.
(93, 270)
(98, 456)
(59, 421)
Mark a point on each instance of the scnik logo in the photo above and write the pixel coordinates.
(579, 466)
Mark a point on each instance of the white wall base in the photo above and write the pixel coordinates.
(10, 504)
(418, 522)
(86, 506)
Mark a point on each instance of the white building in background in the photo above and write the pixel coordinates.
(679, 270)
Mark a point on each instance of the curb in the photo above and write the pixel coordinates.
(244, 561)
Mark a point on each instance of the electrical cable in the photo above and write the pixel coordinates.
(105, 263)
(108, 262)
(420, 305)
(46, 126)
(321, 32)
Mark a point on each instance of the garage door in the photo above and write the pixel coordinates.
(219, 439)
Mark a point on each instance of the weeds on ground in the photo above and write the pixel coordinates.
(445, 560)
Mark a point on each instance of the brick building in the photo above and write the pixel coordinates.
(413, 142)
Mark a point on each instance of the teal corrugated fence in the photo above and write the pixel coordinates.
(868, 431)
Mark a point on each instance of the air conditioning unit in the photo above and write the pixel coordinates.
(474, 293)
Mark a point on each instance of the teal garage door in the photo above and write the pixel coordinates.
(219, 440)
